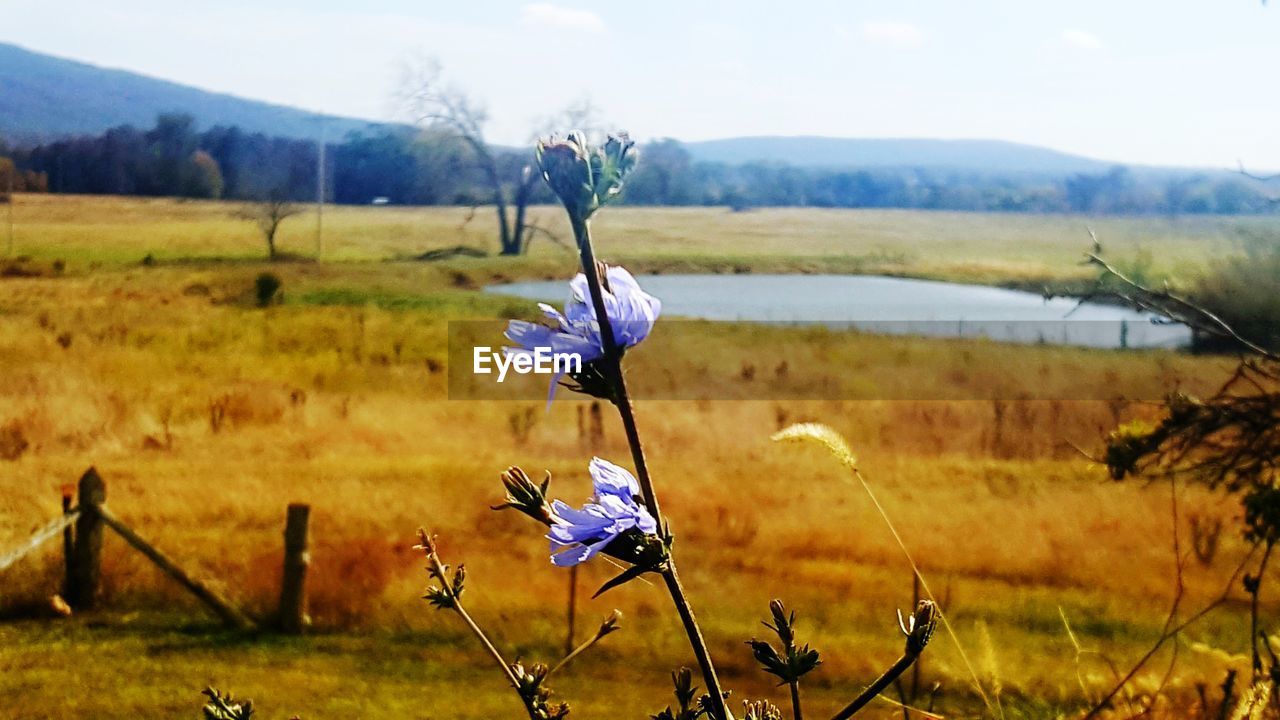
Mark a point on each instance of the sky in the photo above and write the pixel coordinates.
(1167, 82)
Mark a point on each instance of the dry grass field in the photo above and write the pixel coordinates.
(206, 415)
(86, 231)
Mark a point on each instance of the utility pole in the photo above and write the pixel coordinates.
(320, 197)
(8, 248)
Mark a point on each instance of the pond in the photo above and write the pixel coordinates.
(891, 305)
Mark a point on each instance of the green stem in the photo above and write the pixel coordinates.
(795, 700)
(613, 368)
(575, 653)
(696, 641)
(876, 687)
(621, 400)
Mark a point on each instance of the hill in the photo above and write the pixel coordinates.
(994, 156)
(43, 97)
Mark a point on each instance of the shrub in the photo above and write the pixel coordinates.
(267, 288)
(13, 442)
(1242, 290)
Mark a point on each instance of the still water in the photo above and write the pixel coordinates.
(892, 306)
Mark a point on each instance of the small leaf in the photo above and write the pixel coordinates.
(459, 577)
(439, 598)
(225, 707)
(625, 576)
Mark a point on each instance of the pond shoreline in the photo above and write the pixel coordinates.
(886, 304)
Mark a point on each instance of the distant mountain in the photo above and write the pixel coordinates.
(993, 156)
(43, 97)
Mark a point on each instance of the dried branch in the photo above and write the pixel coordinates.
(1259, 178)
(1170, 631)
(449, 597)
(1164, 302)
(1253, 586)
(1179, 590)
(532, 229)
(528, 683)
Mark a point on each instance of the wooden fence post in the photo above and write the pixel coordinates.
(573, 610)
(68, 543)
(293, 593)
(86, 558)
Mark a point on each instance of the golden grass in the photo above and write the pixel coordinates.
(207, 416)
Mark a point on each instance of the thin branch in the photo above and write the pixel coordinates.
(1168, 304)
(532, 229)
(1179, 586)
(1259, 178)
(438, 569)
(609, 625)
(1255, 592)
(1170, 632)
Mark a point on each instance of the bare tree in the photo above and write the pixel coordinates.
(436, 106)
(268, 214)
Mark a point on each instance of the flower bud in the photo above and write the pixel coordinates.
(526, 496)
(582, 176)
(768, 657)
(610, 624)
(782, 623)
(763, 710)
(566, 168)
(920, 626)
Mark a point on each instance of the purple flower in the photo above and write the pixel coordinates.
(578, 535)
(631, 311)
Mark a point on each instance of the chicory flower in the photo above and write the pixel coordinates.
(578, 535)
(632, 313)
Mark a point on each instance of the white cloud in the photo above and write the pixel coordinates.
(541, 14)
(1081, 39)
(897, 34)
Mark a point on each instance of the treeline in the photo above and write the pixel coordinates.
(669, 176)
(14, 180)
(173, 158)
(411, 167)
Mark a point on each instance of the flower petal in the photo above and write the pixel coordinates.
(570, 554)
(610, 479)
(528, 335)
